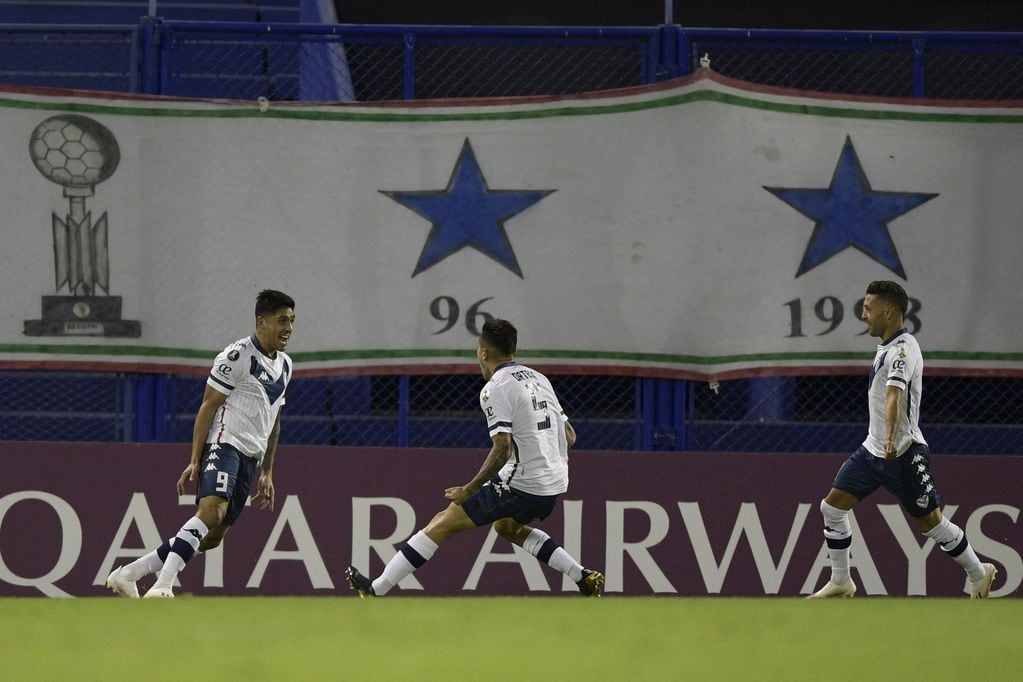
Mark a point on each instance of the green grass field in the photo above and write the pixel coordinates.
(521, 638)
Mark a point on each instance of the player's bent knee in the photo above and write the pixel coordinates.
(213, 539)
(207, 544)
(507, 529)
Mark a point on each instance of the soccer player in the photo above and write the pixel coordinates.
(520, 480)
(235, 432)
(894, 455)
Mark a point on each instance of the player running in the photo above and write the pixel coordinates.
(520, 480)
(894, 455)
(236, 431)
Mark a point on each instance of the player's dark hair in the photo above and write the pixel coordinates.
(270, 300)
(500, 335)
(891, 292)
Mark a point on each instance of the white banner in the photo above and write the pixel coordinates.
(698, 228)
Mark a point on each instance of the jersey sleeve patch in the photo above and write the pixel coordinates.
(900, 366)
(226, 370)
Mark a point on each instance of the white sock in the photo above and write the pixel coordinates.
(953, 542)
(838, 536)
(182, 548)
(417, 551)
(540, 545)
(143, 566)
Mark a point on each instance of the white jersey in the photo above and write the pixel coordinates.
(521, 401)
(254, 385)
(900, 363)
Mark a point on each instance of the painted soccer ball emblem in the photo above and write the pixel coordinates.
(74, 151)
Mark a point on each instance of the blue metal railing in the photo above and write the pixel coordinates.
(230, 59)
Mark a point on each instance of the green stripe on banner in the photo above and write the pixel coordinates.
(600, 110)
(423, 353)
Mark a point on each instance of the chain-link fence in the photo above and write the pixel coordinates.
(970, 415)
(361, 63)
(367, 63)
(288, 61)
(934, 66)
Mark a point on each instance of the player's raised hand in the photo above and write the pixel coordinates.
(187, 475)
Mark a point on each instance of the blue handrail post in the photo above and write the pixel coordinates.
(668, 65)
(679, 414)
(410, 66)
(149, 37)
(144, 408)
(128, 407)
(682, 52)
(645, 414)
(665, 437)
(160, 415)
(166, 47)
(403, 410)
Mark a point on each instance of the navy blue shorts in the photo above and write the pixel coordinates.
(226, 473)
(491, 503)
(908, 477)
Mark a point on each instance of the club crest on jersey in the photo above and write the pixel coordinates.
(486, 394)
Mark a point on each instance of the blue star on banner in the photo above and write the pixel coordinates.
(850, 213)
(468, 213)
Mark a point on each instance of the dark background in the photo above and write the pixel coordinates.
(902, 15)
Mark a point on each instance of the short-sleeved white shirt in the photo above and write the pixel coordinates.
(254, 384)
(900, 363)
(521, 401)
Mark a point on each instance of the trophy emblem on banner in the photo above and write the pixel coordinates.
(78, 153)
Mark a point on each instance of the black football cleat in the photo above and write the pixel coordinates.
(362, 584)
(591, 584)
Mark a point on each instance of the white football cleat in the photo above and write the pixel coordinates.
(982, 588)
(830, 589)
(159, 592)
(117, 582)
